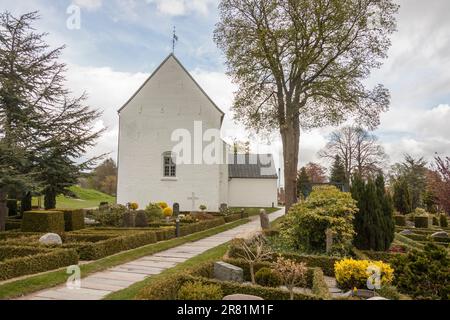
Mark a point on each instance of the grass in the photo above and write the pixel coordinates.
(86, 199)
(253, 211)
(131, 292)
(32, 284)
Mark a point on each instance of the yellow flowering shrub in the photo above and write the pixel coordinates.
(133, 206)
(162, 205)
(352, 274)
(168, 212)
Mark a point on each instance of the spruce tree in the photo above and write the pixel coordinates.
(338, 175)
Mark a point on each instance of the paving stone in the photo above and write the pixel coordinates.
(121, 276)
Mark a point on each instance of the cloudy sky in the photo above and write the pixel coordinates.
(120, 42)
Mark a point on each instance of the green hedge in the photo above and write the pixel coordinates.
(73, 219)
(15, 251)
(315, 277)
(40, 262)
(13, 224)
(94, 251)
(201, 226)
(43, 221)
(232, 217)
(326, 263)
(421, 222)
(400, 220)
(167, 288)
(381, 256)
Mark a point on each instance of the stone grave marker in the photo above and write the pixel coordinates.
(265, 223)
(227, 272)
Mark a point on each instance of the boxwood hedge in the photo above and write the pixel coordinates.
(43, 221)
(40, 260)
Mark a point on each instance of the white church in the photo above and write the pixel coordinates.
(149, 163)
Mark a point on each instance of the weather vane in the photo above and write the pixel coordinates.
(175, 39)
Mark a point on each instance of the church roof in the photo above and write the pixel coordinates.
(185, 70)
(253, 166)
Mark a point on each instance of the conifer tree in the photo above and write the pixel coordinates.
(402, 198)
(388, 226)
(338, 175)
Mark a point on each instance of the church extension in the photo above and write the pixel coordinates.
(171, 101)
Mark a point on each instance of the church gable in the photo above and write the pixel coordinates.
(169, 84)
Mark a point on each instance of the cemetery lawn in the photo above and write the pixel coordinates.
(18, 288)
(131, 292)
(85, 199)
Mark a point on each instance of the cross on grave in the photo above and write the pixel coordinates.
(193, 199)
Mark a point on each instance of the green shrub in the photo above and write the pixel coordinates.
(128, 219)
(232, 217)
(111, 216)
(443, 220)
(201, 226)
(400, 220)
(424, 274)
(154, 212)
(422, 221)
(200, 291)
(266, 277)
(326, 208)
(141, 219)
(435, 221)
(12, 224)
(36, 263)
(43, 221)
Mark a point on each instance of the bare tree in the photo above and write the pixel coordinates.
(292, 274)
(253, 251)
(302, 64)
(359, 151)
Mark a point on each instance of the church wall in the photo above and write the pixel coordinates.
(168, 101)
(252, 192)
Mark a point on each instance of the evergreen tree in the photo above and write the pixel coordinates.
(402, 199)
(303, 183)
(338, 174)
(388, 226)
(373, 223)
(37, 118)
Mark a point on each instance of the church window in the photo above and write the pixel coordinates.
(170, 168)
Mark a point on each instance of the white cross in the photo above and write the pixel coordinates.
(193, 198)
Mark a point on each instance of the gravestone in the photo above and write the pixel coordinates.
(239, 297)
(264, 217)
(128, 220)
(50, 239)
(176, 209)
(440, 234)
(329, 240)
(141, 219)
(406, 232)
(223, 208)
(227, 272)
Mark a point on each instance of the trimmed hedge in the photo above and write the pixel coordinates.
(421, 222)
(43, 221)
(73, 219)
(381, 256)
(232, 217)
(13, 224)
(40, 262)
(420, 237)
(94, 251)
(167, 288)
(201, 226)
(400, 220)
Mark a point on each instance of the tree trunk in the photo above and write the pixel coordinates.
(3, 209)
(252, 273)
(290, 135)
(50, 200)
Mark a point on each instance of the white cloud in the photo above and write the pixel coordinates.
(182, 7)
(88, 4)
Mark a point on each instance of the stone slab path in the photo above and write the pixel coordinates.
(100, 284)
